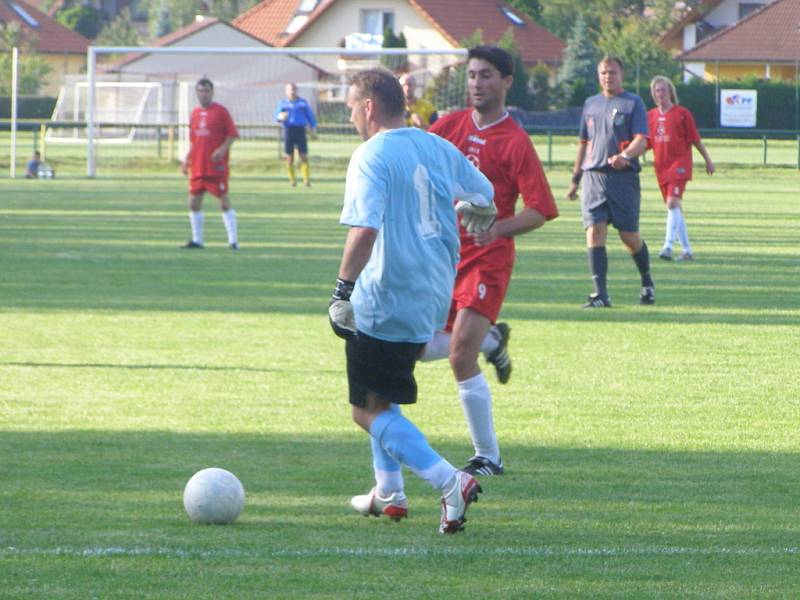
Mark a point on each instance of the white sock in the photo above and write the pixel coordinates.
(438, 348)
(476, 400)
(439, 475)
(388, 482)
(673, 214)
(196, 219)
(684, 235)
(229, 220)
(490, 342)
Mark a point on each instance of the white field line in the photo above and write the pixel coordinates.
(335, 551)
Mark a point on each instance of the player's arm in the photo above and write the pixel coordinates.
(524, 221)
(220, 152)
(633, 150)
(701, 148)
(357, 250)
(577, 171)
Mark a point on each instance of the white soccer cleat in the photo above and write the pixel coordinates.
(394, 506)
(464, 491)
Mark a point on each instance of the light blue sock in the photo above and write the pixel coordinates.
(403, 442)
(388, 476)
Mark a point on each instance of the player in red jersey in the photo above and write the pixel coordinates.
(501, 149)
(211, 134)
(672, 134)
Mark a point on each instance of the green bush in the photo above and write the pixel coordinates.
(28, 107)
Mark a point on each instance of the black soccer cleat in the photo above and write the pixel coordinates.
(596, 301)
(480, 465)
(234, 246)
(192, 244)
(499, 357)
(648, 295)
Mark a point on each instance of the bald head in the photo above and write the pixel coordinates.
(409, 85)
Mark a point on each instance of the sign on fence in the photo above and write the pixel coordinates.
(737, 108)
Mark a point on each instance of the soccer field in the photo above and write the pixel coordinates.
(652, 452)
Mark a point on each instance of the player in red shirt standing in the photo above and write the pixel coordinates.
(672, 134)
(211, 134)
(501, 149)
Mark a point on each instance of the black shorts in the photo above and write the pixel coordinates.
(385, 369)
(295, 137)
(611, 196)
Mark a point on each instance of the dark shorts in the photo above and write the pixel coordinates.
(295, 137)
(385, 369)
(612, 196)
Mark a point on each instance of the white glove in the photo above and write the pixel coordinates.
(476, 219)
(342, 318)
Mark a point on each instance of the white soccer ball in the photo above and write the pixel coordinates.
(213, 496)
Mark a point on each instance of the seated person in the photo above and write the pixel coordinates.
(32, 170)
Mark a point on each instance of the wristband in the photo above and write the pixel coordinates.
(343, 289)
(576, 177)
(625, 156)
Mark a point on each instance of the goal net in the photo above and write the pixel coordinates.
(146, 107)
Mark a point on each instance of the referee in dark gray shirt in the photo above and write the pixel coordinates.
(613, 135)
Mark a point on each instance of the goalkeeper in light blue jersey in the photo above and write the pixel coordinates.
(398, 268)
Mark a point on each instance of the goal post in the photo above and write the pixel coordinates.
(262, 84)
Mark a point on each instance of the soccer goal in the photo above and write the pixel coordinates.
(249, 81)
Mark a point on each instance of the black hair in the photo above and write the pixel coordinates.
(204, 82)
(497, 57)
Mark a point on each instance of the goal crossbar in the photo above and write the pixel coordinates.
(93, 52)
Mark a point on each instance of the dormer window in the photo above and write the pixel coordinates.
(300, 16)
(512, 16)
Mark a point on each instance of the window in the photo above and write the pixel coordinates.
(512, 16)
(306, 6)
(296, 23)
(24, 15)
(745, 8)
(375, 21)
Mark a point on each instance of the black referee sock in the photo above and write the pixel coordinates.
(598, 267)
(642, 260)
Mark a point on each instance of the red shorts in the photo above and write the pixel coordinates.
(673, 189)
(481, 286)
(218, 186)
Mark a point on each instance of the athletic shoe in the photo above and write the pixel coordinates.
(595, 301)
(499, 356)
(647, 295)
(192, 244)
(464, 491)
(480, 465)
(686, 256)
(395, 506)
(665, 254)
(234, 246)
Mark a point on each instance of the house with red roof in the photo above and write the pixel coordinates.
(765, 43)
(64, 50)
(429, 24)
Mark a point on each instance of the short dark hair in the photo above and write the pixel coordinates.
(382, 86)
(610, 58)
(497, 57)
(204, 82)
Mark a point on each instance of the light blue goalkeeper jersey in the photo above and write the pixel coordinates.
(403, 183)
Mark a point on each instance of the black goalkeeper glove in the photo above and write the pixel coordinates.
(340, 311)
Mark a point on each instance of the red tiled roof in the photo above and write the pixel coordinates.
(769, 34)
(268, 21)
(52, 37)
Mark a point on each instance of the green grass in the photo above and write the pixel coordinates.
(652, 452)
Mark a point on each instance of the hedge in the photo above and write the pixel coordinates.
(28, 107)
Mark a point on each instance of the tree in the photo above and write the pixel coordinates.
(577, 76)
(120, 32)
(32, 69)
(532, 8)
(84, 19)
(540, 86)
(390, 40)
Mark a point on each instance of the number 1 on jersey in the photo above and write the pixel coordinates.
(429, 227)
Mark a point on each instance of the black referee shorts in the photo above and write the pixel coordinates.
(295, 137)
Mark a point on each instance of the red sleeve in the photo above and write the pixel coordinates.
(692, 135)
(230, 127)
(531, 180)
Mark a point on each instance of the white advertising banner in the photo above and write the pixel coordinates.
(737, 108)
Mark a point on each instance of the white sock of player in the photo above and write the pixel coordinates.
(476, 400)
(229, 220)
(196, 219)
(438, 348)
(388, 482)
(673, 214)
(684, 235)
(439, 475)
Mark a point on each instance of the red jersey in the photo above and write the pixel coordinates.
(671, 137)
(504, 153)
(208, 128)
